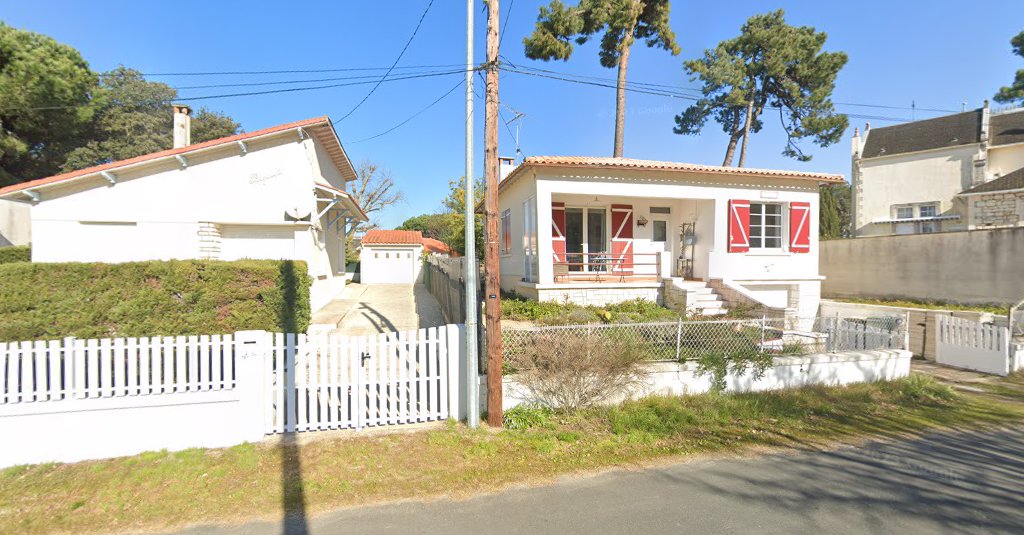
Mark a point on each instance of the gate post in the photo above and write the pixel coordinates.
(456, 342)
(250, 354)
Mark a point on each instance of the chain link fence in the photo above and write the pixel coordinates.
(689, 340)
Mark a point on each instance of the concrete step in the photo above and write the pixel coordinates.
(716, 311)
(699, 298)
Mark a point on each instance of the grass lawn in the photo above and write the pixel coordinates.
(168, 490)
(994, 308)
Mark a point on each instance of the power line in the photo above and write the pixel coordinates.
(670, 93)
(508, 15)
(257, 93)
(299, 71)
(399, 58)
(413, 116)
(283, 82)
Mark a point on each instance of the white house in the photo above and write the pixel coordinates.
(276, 193)
(391, 257)
(665, 231)
(955, 172)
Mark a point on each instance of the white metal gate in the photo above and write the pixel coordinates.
(320, 382)
(983, 347)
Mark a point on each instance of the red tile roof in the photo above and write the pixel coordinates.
(393, 237)
(656, 165)
(431, 245)
(316, 121)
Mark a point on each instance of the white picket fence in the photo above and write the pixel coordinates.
(81, 369)
(971, 345)
(70, 400)
(340, 382)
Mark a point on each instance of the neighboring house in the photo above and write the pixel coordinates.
(276, 193)
(955, 172)
(15, 223)
(602, 230)
(391, 257)
(430, 245)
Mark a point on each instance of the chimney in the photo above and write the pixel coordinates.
(182, 126)
(505, 166)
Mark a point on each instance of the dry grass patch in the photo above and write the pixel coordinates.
(168, 490)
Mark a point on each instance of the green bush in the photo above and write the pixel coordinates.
(18, 253)
(178, 297)
(526, 416)
(517, 308)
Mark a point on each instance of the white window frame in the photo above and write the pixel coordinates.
(761, 236)
(505, 234)
(896, 211)
(921, 207)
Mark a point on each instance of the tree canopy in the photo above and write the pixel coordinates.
(57, 115)
(834, 214)
(1014, 93)
(770, 67)
(622, 23)
(45, 93)
(133, 118)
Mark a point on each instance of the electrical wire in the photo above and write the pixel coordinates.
(413, 116)
(283, 82)
(399, 58)
(299, 71)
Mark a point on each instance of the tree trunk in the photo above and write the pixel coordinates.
(492, 281)
(620, 98)
(733, 138)
(746, 131)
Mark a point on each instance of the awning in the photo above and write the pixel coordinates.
(915, 219)
(341, 197)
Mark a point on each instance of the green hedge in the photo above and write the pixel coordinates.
(18, 253)
(49, 301)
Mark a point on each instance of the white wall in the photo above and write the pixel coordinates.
(926, 176)
(15, 223)
(1005, 159)
(154, 212)
(675, 379)
(379, 264)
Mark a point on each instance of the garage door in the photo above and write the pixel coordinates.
(388, 266)
(264, 242)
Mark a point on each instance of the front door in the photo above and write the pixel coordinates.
(585, 239)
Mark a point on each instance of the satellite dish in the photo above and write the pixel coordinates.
(296, 214)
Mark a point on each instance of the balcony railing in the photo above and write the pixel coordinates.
(607, 267)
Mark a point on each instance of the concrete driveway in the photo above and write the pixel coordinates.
(376, 308)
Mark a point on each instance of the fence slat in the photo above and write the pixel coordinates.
(429, 350)
(5, 359)
(54, 361)
(422, 392)
(402, 357)
(355, 362)
(441, 334)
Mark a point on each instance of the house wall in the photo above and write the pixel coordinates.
(1005, 159)
(978, 266)
(926, 176)
(15, 223)
(162, 211)
(778, 275)
(513, 265)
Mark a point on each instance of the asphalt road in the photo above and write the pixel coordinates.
(943, 483)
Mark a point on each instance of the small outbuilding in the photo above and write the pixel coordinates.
(391, 257)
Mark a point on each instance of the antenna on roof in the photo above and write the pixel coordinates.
(963, 106)
(913, 110)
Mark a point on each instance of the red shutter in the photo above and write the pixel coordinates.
(800, 227)
(558, 231)
(622, 238)
(739, 226)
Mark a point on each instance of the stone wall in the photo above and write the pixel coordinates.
(602, 295)
(972, 267)
(997, 209)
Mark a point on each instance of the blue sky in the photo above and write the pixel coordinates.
(939, 54)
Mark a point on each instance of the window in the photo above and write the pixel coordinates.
(660, 230)
(928, 210)
(928, 227)
(661, 210)
(904, 212)
(765, 225)
(506, 232)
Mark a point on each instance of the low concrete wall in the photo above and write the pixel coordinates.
(922, 321)
(675, 379)
(15, 223)
(977, 267)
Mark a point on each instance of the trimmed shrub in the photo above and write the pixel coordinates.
(158, 298)
(17, 253)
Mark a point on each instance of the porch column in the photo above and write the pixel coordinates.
(545, 271)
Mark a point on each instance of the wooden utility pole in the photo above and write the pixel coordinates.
(492, 306)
